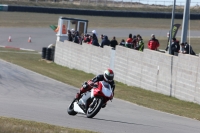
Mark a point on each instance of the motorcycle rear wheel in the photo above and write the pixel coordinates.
(70, 109)
(91, 112)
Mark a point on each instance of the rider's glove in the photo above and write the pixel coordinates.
(85, 85)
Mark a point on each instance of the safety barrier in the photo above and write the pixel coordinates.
(151, 70)
(99, 12)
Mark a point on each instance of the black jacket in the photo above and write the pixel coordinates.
(105, 41)
(175, 47)
(101, 78)
(95, 41)
(113, 43)
(189, 50)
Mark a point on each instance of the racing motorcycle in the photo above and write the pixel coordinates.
(91, 102)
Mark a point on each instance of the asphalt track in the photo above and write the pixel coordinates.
(30, 96)
(42, 37)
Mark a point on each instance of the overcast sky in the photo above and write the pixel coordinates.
(165, 2)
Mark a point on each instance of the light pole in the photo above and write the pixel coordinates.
(171, 29)
(185, 21)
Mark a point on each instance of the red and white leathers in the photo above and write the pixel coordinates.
(91, 83)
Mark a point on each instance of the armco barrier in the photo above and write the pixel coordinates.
(151, 70)
(98, 12)
(3, 7)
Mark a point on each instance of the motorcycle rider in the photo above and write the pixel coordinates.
(107, 76)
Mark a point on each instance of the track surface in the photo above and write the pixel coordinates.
(27, 95)
(42, 37)
(30, 96)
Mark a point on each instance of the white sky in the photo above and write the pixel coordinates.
(165, 2)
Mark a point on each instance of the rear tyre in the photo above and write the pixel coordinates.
(70, 109)
(92, 111)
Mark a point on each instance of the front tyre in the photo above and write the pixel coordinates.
(70, 109)
(92, 111)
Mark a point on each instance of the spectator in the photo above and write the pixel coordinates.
(153, 44)
(101, 37)
(122, 43)
(90, 40)
(134, 41)
(129, 42)
(187, 49)
(113, 42)
(63, 29)
(105, 41)
(175, 47)
(69, 34)
(140, 45)
(95, 40)
(86, 38)
(76, 37)
(94, 32)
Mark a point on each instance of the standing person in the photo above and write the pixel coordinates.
(69, 34)
(122, 43)
(76, 37)
(187, 49)
(129, 41)
(140, 45)
(134, 41)
(113, 42)
(90, 40)
(175, 46)
(95, 40)
(153, 43)
(105, 41)
(101, 37)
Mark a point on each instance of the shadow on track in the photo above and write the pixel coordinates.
(121, 122)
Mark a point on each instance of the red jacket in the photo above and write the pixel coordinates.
(153, 44)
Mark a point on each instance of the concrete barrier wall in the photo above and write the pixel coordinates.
(177, 76)
(88, 58)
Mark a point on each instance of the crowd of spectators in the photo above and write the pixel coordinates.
(133, 42)
(93, 40)
(183, 48)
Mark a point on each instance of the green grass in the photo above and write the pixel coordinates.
(23, 19)
(75, 77)
(11, 125)
(16, 19)
(100, 5)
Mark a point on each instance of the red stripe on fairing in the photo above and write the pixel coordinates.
(12, 47)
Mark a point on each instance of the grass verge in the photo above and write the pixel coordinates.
(11, 125)
(23, 19)
(100, 5)
(75, 77)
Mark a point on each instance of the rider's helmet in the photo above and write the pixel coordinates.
(108, 75)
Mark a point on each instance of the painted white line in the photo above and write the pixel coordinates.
(26, 49)
(17, 48)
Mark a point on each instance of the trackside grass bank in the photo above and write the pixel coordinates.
(75, 77)
(11, 125)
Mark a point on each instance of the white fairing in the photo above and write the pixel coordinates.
(77, 108)
(106, 89)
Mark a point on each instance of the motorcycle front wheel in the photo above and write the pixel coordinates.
(92, 111)
(70, 109)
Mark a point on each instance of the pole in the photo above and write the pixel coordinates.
(172, 23)
(185, 21)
